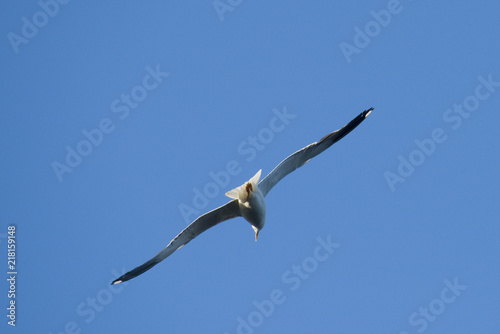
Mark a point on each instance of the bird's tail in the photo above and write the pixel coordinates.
(242, 192)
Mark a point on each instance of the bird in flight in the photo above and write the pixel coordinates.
(248, 199)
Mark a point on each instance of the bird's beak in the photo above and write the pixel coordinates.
(256, 234)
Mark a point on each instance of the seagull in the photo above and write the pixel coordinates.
(248, 199)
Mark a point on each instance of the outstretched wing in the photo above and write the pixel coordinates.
(200, 225)
(302, 156)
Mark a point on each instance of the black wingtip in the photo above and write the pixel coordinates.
(367, 112)
(116, 281)
(136, 272)
(123, 278)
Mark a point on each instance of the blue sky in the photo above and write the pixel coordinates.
(116, 115)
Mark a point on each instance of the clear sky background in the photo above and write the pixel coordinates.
(409, 199)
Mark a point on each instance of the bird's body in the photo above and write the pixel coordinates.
(248, 199)
(251, 202)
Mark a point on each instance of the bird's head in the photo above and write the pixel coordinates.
(256, 232)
